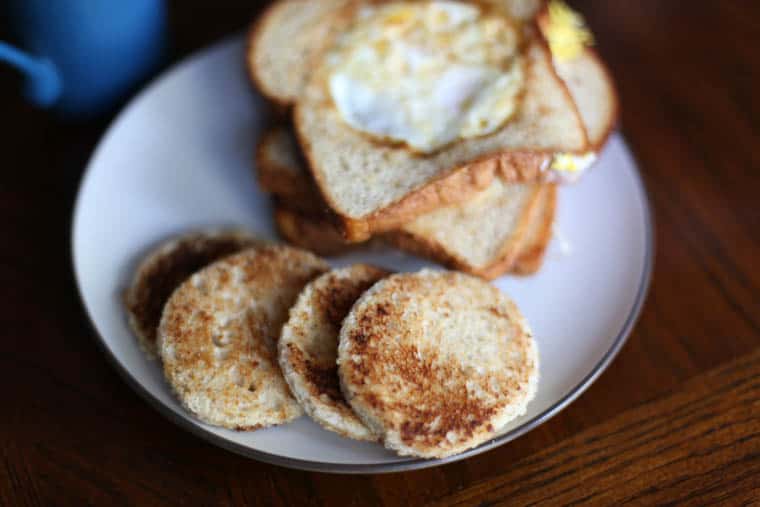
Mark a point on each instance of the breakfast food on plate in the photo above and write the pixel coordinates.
(410, 107)
(430, 363)
(165, 267)
(218, 334)
(308, 346)
(483, 235)
(585, 75)
(442, 128)
(538, 234)
(375, 182)
(436, 362)
(313, 232)
(284, 41)
(290, 34)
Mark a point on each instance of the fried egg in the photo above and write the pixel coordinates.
(568, 36)
(426, 73)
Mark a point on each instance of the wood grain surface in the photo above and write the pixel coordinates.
(675, 419)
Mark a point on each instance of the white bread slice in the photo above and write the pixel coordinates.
(218, 334)
(310, 231)
(283, 42)
(482, 236)
(286, 37)
(308, 346)
(373, 188)
(539, 233)
(168, 265)
(436, 362)
(281, 170)
(593, 90)
(591, 86)
(320, 236)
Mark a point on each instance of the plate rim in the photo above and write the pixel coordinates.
(364, 468)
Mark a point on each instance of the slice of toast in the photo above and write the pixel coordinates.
(374, 188)
(538, 234)
(308, 346)
(165, 267)
(218, 336)
(483, 236)
(281, 170)
(282, 43)
(588, 80)
(286, 37)
(436, 362)
(310, 231)
(593, 90)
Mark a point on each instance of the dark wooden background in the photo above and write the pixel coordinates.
(676, 418)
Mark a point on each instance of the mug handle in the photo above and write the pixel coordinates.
(43, 85)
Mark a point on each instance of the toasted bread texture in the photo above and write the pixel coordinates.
(593, 90)
(539, 233)
(481, 236)
(281, 170)
(218, 334)
(165, 267)
(374, 187)
(308, 347)
(436, 362)
(285, 39)
(310, 231)
(283, 42)
(590, 84)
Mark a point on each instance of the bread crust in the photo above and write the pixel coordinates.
(613, 118)
(533, 250)
(501, 263)
(261, 28)
(310, 228)
(596, 143)
(291, 183)
(255, 33)
(309, 231)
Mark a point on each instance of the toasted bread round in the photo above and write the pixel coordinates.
(218, 336)
(167, 266)
(308, 348)
(436, 362)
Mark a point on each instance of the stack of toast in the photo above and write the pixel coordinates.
(443, 128)
(252, 335)
(481, 203)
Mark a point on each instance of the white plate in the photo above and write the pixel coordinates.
(180, 157)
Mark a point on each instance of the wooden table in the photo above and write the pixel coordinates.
(676, 418)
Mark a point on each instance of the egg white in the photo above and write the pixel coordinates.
(426, 73)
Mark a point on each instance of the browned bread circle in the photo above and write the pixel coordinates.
(219, 332)
(168, 265)
(436, 362)
(308, 346)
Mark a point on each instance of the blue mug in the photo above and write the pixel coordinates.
(82, 56)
